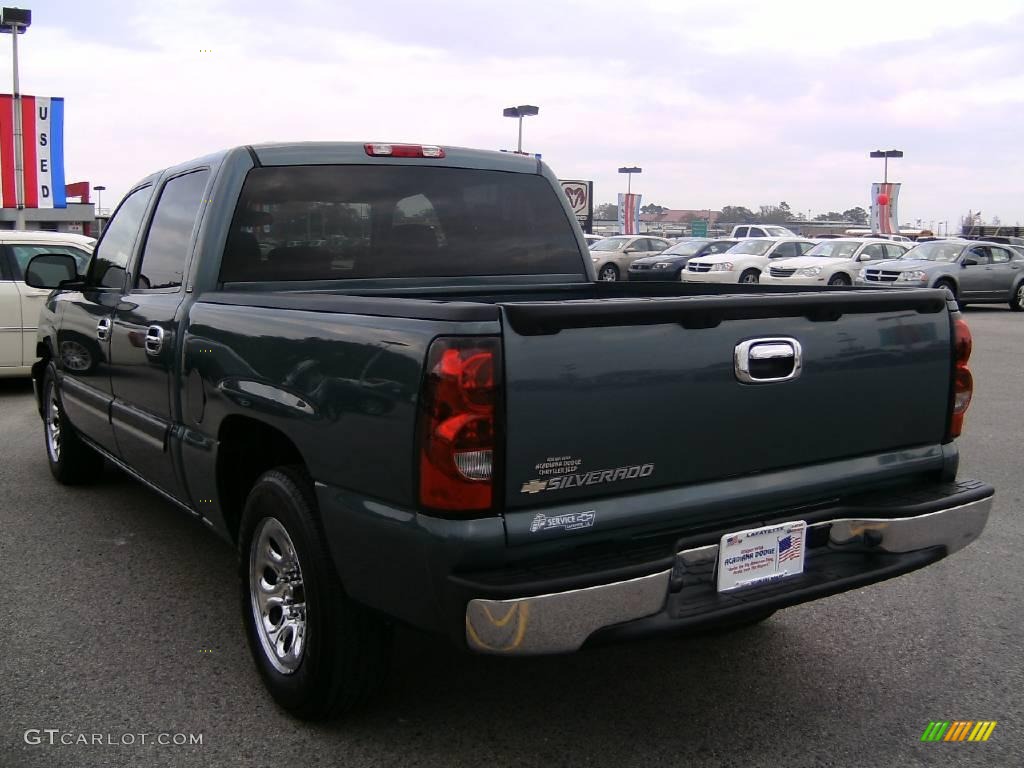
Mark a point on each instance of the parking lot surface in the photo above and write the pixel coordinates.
(120, 617)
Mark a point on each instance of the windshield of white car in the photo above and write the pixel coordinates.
(933, 252)
(835, 249)
(755, 247)
(610, 244)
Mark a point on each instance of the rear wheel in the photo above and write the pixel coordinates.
(609, 273)
(71, 461)
(750, 276)
(839, 279)
(1017, 299)
(319, 653)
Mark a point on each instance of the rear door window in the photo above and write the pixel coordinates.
(742, 232)
(165, 254)
(376, 221)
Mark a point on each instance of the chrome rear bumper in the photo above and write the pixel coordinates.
(849, 553)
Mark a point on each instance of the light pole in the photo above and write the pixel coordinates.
(886, 154)
(15, 21)
(523, 110)
(629, 171)
(99, 189)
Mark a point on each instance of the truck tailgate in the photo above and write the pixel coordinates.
(610, 396)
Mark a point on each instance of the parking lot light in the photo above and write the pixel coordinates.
(523, 110)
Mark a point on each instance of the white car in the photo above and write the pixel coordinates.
(745, 261)
(832, 262)
(741, 231)
(19, 304)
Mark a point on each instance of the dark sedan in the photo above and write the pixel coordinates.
(668, 265)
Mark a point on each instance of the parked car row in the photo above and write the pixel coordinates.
(975, 271)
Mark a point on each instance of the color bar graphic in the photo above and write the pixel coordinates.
(958, 730)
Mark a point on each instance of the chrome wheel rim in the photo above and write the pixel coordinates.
(608, 275)
(1020, 296)
(53, 426)
(74, 356)
(748, 279)
(277, 596)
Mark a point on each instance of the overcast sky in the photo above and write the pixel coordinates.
(720, 102)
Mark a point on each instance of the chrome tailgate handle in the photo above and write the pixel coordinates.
(768, 361)
(154, 340)
(103, 329)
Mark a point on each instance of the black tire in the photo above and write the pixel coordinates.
(839, 279)
(952, 289)
(71, 461)
(343, 657)
(1017, 298)
(609, 273)
(750, 276)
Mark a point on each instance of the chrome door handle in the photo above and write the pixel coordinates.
(766, 361)
(154, 340)
(103, 329)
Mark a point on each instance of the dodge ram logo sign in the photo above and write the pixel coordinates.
(580, 195)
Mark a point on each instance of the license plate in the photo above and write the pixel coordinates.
(760, 555)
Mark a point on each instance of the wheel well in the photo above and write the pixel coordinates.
(247, 449)
(946, 280)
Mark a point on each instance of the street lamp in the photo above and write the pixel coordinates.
(15, 21)
(99, 189)
(629, 171)
(523, 110)
(887, 153)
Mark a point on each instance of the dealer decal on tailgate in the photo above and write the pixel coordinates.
(562, 474)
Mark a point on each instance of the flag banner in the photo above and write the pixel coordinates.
(629, 214)
(42, 131)
(883, 208)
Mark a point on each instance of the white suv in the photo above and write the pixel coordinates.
(832, 262)
(745, 261)
(750, 230)
(19, 304)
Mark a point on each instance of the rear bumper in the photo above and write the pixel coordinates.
(842, 553)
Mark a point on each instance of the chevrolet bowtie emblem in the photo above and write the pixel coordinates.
(534, 486)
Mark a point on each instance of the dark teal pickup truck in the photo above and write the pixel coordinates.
(386, 374)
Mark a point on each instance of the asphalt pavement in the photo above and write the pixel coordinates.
(120, 618)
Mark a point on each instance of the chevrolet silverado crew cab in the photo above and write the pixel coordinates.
(387, 376)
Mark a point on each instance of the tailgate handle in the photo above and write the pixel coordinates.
(768, 361)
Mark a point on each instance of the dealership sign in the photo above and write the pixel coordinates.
(580, 195)
(42, 132)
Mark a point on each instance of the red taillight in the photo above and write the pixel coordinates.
(963, 382)
(457, 424)
(403, 150)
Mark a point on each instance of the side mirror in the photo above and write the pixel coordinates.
(631, 250)
(969, 262)
(51, 270)
(865, 257)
